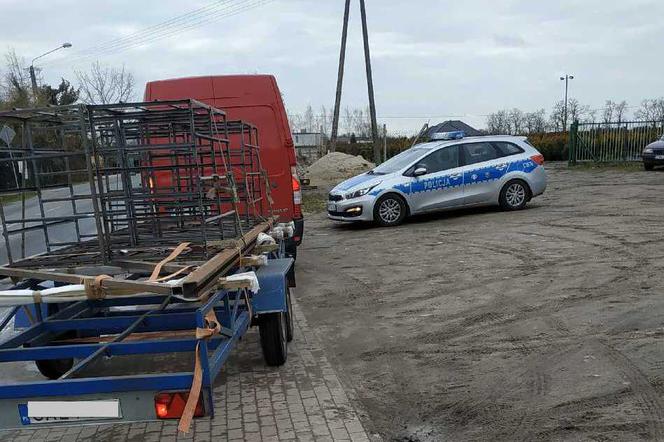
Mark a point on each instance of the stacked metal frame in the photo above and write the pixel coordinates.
(129, 181)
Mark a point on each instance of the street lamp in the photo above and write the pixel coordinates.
(567, 78)
(33, 78)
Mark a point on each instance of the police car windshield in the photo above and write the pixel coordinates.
(400, 161)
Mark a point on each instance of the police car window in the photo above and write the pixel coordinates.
(442, 159)
(399, 161)
(507, 149)
(479, 152)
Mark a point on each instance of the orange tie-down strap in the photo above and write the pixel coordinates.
(174, 254)
(213, 328)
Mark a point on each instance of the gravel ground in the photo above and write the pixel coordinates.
(543, 324)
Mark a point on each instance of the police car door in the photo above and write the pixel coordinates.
(483, 167)
(441, 186)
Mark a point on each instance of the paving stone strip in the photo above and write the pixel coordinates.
(303, 401)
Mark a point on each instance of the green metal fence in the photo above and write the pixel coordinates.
(614, 142)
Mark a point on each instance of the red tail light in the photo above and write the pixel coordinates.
(538, 159)
(171, 405)
(297, 194)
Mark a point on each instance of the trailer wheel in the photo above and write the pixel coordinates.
(54, 368)
(273, 330)
(290, 318)
(291, 251)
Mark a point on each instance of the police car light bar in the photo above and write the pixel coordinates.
(455, 135)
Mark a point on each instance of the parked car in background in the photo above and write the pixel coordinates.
(447, 173)
(653, 154)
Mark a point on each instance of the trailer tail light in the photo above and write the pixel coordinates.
(538, 159)
(171, 405)
(297, 194)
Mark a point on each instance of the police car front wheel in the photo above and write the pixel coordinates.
(390, 210)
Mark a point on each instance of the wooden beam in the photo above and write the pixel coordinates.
(204, 277)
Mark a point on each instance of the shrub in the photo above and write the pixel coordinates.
(553, 145)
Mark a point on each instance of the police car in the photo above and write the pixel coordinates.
(449, 172)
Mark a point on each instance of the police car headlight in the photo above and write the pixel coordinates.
(648, 150)
(360, 192)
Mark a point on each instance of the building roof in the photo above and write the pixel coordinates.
(452, 125)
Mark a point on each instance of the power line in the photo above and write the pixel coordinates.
(154, 28)
(164, 30)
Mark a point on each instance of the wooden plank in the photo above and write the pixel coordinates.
(199, 281)
(71, 278)
(145, 266)
(205, 276)
(233, 285)
(252, 261)
(265, 248)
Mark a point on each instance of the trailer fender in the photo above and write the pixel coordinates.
(274, 280)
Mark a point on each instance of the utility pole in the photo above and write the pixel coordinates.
(372, 103)
(370, 88)
(33, 80)
(340, 79)
(384, 142)
(567, 78)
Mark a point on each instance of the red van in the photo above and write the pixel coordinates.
(255, 99)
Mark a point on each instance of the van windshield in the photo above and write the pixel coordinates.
(399, 161)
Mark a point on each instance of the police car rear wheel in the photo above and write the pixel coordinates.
(514, 195)
(390, 210)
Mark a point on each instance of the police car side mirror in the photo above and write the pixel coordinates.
(419, 171)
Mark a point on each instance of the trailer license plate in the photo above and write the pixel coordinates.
(49, 412)
(331, 207)
(659, 157)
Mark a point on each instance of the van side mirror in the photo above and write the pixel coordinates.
(420, 170)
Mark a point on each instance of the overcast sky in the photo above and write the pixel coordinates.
(432, 59)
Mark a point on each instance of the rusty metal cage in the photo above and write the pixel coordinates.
(128, 181)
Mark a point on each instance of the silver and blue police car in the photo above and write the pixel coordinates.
(449, 172)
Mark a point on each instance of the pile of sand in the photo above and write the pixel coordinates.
(336, 167)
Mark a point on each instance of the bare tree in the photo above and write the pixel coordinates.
(535, 122)
(498, 123)
(621, 110)
(105, 84)
(325, 120)
(577, 111)
(607, 112)
(294, 121)
(557, 117)
(651, 110)
(348, 119)
(309, 119)
(516, 120)
(15, 84)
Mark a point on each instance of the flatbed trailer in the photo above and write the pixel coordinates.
(152, 325)
(184, 258)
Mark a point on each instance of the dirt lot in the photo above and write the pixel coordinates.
(545, 324)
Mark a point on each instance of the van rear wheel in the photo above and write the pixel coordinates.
(273, 332)
(54, 368)
(290, 318)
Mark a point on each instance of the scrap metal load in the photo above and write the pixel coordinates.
(161, 197)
